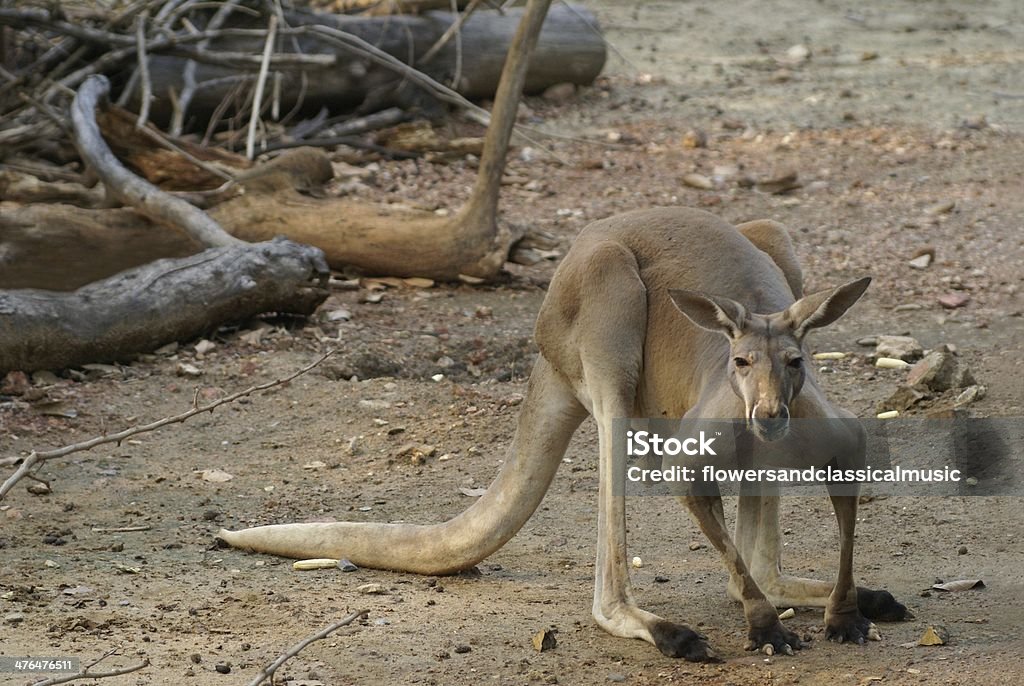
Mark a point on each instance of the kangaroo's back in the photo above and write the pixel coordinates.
(669, 248)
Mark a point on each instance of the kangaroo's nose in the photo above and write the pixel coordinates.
(770, 422)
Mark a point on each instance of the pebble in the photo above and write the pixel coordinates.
(695, 138)
(921, 262)
(798, 53)
(952, 301)
(700, 181)
(904, 348)
(944, 207)
(559, 92)
(347, 566)
(14, 618)
(371, 589)
(223, 668)
(617, 678)
(462, 649)
(962, 550)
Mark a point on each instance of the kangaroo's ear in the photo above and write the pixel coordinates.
(824, 307)
(711, 312)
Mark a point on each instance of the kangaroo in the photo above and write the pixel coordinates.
(666, 312)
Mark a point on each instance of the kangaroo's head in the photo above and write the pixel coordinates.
(766, 358)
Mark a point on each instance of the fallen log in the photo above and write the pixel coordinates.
(164, 301)
(570, 49)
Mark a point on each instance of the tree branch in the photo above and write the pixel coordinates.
(268, 671)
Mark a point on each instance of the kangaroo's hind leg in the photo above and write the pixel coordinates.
(592, 327)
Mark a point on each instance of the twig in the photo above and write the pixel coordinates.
(86, 674)
(35, 457)
(147, 85)
(452, 30)
(121, 529)
(187, 93)
(156, 136)
(261, 82)
(268, 671)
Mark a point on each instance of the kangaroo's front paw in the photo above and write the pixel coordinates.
(773, 639)
(850, 627)
(880, 606)
(677, 640)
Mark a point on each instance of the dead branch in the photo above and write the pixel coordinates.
(268, 671)
(37, 458)
(86, 674)
(261, 82)
(145, 83)
(406, 242)
(128, 188)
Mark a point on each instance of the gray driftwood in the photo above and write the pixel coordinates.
(167, 300)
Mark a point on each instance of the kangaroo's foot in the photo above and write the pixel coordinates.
(850, 626)
(881, 606)
(774, 638)
(766, 633)
(679, 640)
(673, 640)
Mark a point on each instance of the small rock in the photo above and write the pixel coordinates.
(780, 183)
(661, 579)
(462, 649)
(970, 394)
(952, 301)
(544, 640)
(903, 348)
(700, 181)
(347, 566)
(617, 678)
(223, 668)
(868, 341)
(920, 262)
(971, 481)
(196, 658)
(902, 399)
(371, 589)
(695, 138)
(934, 636)
(962, 550)
(14, 618)
(44, 378)
(975, 122)
(186, 369)
(696, 545)
(944, 207)
(939, 371)
(559, 92)
(798, 53)
(204, 346)
(637, 563)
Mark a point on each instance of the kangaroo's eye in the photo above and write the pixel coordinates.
(796, 362)
(741, 361)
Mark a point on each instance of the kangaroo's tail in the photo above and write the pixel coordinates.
(549, 417)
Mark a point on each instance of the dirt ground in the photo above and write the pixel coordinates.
(903, 121)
